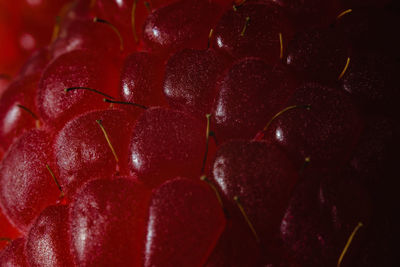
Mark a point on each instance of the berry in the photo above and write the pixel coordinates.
(75, 69)
(83, 151)
(190, 77)
(257, 178)
(26, 185)
(179, 25)
(198, 132)
(238, 112)
(237, 31)
(47, 242)
(166, 143)
(141, 79)
(13, 254)
(106, 222)
(182, 211)
(17, 110)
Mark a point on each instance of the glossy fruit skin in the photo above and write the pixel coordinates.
(182, 211)
(48, 241)
(160, 148)
(25, 183)
(141, 79)
(13, 254)
(322, 113)
(85, 34)
(180, 25)
(82, 152)
(190, 78)
(318, 55)
(234, 36)
(14, 120)
(78, 68)
(238, 112)
(262, 177)
(110, 215)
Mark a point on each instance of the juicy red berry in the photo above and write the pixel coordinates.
(26, 186)
(7, 230)
(253, 30)
(318, 55)
(75, 69)
(182, 211)
(324, 210)
(262, 177)
(13, 255)
(183, 24)
(190, 80)
(304, 231)
(165, 144)
(141, 79)
(239, 112)
(324, 127)
(82, 152)
(14, 119)
(107, 222)
(86, 34)
(48, 241)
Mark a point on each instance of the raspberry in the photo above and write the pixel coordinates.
(198, 133)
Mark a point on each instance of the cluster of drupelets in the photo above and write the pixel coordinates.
(204, 133)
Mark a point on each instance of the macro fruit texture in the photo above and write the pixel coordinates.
(199, 133)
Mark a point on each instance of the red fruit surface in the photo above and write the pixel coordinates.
(190, 80)
(304, 231)
(14, 120)
(4, 82)
(183, 24)
(239, 112)
(75, 69)
(86, 34)
(26, 186)
(259, 37)
(13, 255)
(167, 143)
(25, 26)
(326, 132)
(321, 217)
(318, 55)
(82, 152)
(107, 221)
(36, 63)
(7, 230)
(262, 177)
(185, 222)
(141, 79)
(48, 241)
